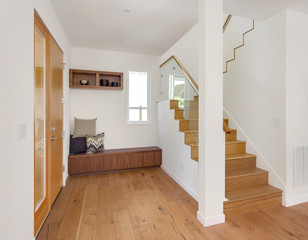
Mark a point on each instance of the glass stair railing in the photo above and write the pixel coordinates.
(178, 87)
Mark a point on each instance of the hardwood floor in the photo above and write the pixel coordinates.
(147, 204)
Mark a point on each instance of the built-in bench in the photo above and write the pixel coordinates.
(115, 159)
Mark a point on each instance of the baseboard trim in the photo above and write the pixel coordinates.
(181, 183)
(65, 177)
(296, 200)
(210, 221)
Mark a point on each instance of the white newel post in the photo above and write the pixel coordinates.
(211, 137)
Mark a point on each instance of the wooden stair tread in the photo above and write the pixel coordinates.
(232, 130)
(191, 100)
(234, 142)
(252, 192)
(246, 186)
(244, 172)
(238, 156)
(195, 158)
(186, 110)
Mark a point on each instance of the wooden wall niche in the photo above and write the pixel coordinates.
(94, 78)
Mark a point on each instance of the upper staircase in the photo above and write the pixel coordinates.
(247, 188)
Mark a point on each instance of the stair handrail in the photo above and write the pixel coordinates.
(242, 45)
(226, 23)
(185, 72)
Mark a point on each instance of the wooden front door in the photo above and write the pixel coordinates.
(56, 120)
(48, 122)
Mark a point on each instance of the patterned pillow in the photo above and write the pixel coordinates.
(95, 143)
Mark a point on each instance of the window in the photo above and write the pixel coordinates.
(138, 97)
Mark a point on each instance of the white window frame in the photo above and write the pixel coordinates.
(140, 108)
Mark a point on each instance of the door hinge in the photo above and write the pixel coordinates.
(63, 66)
(63, 134)
(63, 100)
(63, 168)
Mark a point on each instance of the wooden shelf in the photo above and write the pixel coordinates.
(94, 78)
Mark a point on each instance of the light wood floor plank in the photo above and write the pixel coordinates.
(87, 224)
(53, 222)
(188, 218)
(259, 225)
(148, 205)
(123, 227)
(71, 219)
(105, 220)
(137, 217)
(302, 208)
(290, 219)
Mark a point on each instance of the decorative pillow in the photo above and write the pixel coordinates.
(84, 127)
(77, 145)
(95, 143)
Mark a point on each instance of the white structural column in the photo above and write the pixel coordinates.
(211, 136)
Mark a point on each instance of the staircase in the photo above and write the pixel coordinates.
(247, 187)
(188, 123)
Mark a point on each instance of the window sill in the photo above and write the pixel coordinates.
(139, 123)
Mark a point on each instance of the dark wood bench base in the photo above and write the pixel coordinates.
(114, 160)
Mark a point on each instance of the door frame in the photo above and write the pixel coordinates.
(42, 212)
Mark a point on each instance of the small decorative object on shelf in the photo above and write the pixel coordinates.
(104, 82)
(114, 84)
(87, 79)
(84, 82)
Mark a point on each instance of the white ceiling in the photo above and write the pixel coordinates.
(152, 28)
(154, 25)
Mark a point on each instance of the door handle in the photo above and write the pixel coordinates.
(54, 138)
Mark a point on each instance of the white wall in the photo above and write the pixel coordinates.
(110, 107)
(254, 95)
(186, 49)
(16, 93)
(296, 97)
(233, 36)
(176, 154)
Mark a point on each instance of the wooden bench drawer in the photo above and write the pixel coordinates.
(116, 159)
